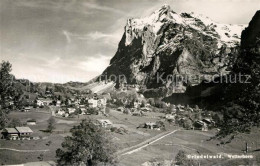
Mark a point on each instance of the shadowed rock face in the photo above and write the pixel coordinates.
(250, 47)
(169, 44)
(251, 35)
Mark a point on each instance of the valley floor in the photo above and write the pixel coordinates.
(136, 147)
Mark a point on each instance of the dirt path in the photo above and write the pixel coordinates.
(17, 150)
(144, 144)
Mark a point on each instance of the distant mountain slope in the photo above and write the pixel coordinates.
(174, 44)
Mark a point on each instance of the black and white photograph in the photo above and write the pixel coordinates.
(130, 82)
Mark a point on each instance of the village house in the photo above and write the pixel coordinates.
(71, 110)
(61, 112)
(10, 134)
(82, 106)
(200, 125)
(137, 104)
(47, 101)
(93, 103)
(102, 102)
(58, 103)
(66, 115)
(147, 105)
(105, 123)
(209, 122)
(17, 133)
(31, 122)
(39, 103)
(180, 110)
(83, 111)
(120, 109)
(43, 102)
(26, 109)
(24, 132)
(151, 125)
(11, 103)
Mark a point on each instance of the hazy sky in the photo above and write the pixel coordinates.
(73, 40)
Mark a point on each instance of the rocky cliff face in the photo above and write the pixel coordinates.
(169, 44)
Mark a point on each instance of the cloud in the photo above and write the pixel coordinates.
(102, 8)
(111, 39)
(73, 6)
(98, 35)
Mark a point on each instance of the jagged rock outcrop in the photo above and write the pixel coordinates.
(169, 44)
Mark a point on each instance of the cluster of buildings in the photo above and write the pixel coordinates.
(81, 106)
(136, 109)
(181, 114)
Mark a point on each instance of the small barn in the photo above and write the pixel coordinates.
(10, 134)
(31, 122)
(24, 132)
(151, 125)
(200, 125)
(105, 123)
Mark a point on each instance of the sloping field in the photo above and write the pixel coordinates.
(100, 87)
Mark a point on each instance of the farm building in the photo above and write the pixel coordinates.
(208, 121)
(200, 125)
(102, 102)
(10, 134)
(151, 125)
(61, 112)
(43, 101)
(71, 110)
(93, 103)
(105, 123)
(24, 132)
(58, 103)
(39, 103)
(17, 133)
(120, 109)
(31, 122)
(26, 109)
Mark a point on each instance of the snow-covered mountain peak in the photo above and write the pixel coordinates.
(228, 34)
